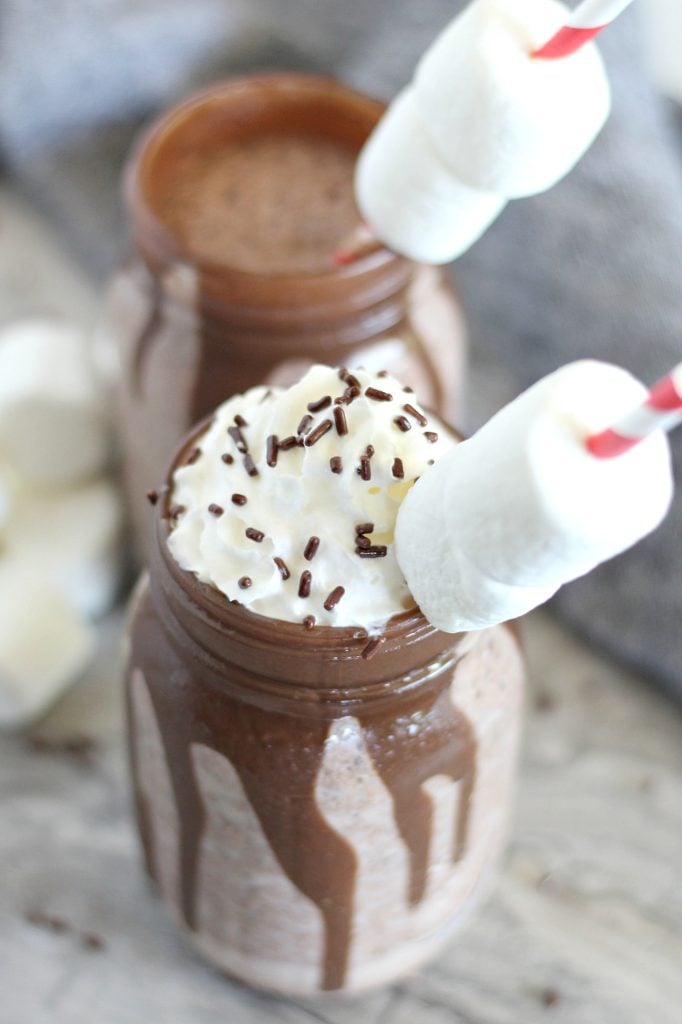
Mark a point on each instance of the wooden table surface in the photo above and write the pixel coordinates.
(585, 926)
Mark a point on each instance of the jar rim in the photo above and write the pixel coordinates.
(161, 245)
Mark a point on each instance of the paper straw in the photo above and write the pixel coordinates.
(587, 21)
(662, 410)
(360, 242)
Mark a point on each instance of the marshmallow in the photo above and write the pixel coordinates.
(71, 538)
(501, 120)
(410, 197)
(44, 646)
(482, 122)
(52, 422)
(523, 507)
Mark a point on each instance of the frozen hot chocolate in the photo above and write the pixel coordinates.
(268, 205)
(322, 778)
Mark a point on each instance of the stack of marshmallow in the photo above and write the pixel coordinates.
(60, 516)
(482, 122)
(523, 506)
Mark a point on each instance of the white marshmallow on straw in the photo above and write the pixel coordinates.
(483, 121)
(507, 517)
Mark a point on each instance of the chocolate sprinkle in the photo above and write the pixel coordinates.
(349, 395)
(288, 442)
(282, 566)
(348, 378)
(239, 499)
(336, 464)
(254, 534)
(431, 436)
(215, 510)
(193, 456)
(245, 582)
(250, 465)
(309, 622)
(272, 446)
(420, 417)
(403, 423)
(363, 542)
(227, 459)
(365, 468)
(364, 528)
(311, 548)
(375, 551)
(175, 510)
(382, 373)
(377, 395)
(398, 469)
(152, 497)
(373, 646)
(320, 404)
(238, 438)
(369, 451)
(409, 390)
(334, 598)
(320, 430)
(240, 421)
(340, 421)
(305, 425)
(305, 583)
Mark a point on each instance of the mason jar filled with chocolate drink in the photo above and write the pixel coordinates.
(322, 778)
(238, 199)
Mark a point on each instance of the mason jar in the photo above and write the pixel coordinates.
(319, 811)
(211, 302)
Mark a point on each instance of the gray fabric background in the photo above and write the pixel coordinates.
(589, 269)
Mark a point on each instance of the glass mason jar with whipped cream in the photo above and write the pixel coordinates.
(322, 779)
(238, 198)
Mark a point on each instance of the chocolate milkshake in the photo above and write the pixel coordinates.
(322, 778)
(237, 200)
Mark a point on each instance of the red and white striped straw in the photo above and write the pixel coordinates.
(662, 410)
(587, 21)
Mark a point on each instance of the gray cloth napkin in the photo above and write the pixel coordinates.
(590, 269)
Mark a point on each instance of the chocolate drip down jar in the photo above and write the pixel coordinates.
(237, 199)
(318, 807)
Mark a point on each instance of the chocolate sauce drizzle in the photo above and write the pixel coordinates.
(278, 757)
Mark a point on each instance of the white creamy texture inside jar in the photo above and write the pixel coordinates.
(324, 484)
